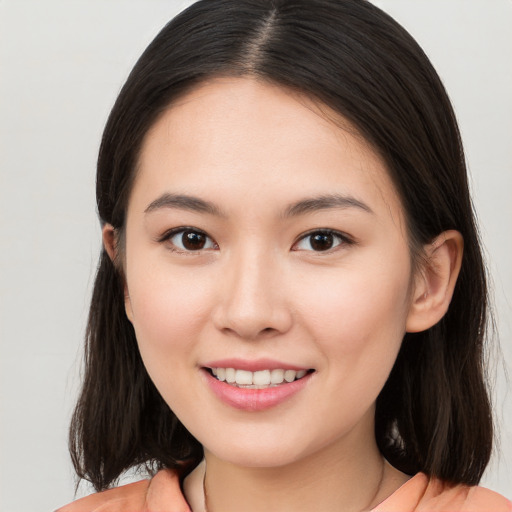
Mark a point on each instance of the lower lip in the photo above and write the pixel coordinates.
(255, 399)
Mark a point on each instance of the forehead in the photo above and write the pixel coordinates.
(231, 137)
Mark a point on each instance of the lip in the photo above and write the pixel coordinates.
(253, 366)
(254, 399)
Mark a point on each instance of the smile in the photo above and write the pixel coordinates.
(256, 390)
(261, 379)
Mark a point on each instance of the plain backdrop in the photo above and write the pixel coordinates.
(62, 64)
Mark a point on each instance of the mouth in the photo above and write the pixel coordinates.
(261, 379)
(255, 385)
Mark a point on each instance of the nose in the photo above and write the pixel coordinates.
(252, 302)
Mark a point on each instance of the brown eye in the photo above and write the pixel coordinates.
(193, 241)
(321, 241)
(189, 240)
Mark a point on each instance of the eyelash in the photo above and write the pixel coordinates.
(342, 239)
(169, 235)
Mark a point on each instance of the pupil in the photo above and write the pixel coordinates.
(321, 241)
(193, 241)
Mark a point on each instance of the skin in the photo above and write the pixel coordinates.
(258, 289)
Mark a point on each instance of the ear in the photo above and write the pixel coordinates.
(434, 285)
(109, 241)
(110, 244)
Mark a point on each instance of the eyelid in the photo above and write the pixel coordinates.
(170, 233)
(173, 231)
(344, 239)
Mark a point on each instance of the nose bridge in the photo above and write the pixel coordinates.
(253, 301)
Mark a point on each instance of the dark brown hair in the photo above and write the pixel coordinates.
(433, 414)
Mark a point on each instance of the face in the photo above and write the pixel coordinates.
(265, 245)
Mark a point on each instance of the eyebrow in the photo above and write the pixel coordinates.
(184, 202)
(313, 204)
(325, 202)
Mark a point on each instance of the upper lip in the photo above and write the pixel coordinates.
(254, 365)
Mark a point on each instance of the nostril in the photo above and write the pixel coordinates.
(267, 332)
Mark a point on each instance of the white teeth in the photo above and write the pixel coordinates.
(289, 375)
(230, 375)
(243, 377)
(259, 379)
(276, 376)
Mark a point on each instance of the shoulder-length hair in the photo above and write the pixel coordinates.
(433, 414)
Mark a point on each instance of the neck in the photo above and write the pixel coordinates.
(335, 478)
(290, 489)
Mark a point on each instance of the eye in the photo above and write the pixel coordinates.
(189, 240)
(321, 241)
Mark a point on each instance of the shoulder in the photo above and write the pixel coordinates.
(425, 494)
(162, 493)
(479, 499)
(127, 497)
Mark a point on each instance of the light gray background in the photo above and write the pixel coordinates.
(62, 64)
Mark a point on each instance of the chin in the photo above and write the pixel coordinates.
(271, 451)
(257, 458)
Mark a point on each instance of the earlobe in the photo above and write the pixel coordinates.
(110, 244)
(434, 286)
(109, 241)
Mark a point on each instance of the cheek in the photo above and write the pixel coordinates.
(358, 323)
(358, 313)
(168, 308)
(168, 318)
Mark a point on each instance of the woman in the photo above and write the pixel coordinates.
(290, 308)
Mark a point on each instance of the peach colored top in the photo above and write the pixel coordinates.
(420, 494)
